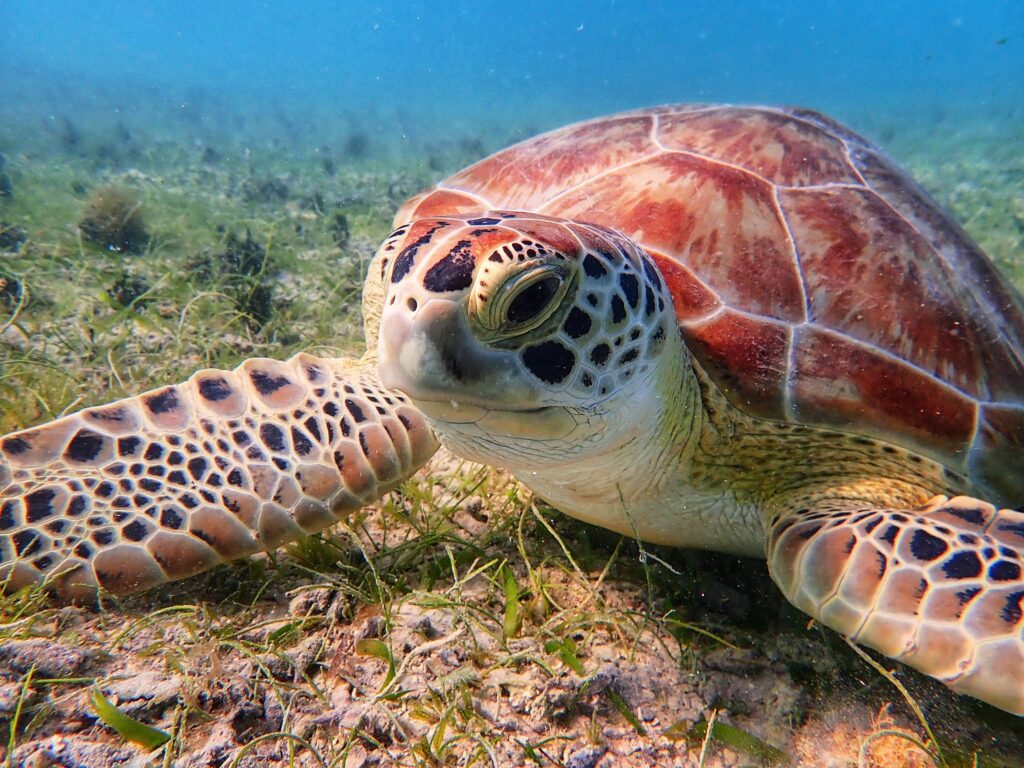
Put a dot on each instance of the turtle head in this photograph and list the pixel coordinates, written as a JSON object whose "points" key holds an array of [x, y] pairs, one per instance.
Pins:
{"points": [[514, 328]]}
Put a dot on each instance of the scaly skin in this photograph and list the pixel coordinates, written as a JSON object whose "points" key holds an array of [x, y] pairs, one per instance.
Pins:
{"points": [[172, 482]]}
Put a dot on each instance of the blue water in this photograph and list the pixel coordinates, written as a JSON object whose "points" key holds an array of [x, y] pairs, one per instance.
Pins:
{"points": [[539, 62]]}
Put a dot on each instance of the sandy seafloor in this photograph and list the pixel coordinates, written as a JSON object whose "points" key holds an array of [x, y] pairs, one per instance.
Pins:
{"points": [[613, 657]]}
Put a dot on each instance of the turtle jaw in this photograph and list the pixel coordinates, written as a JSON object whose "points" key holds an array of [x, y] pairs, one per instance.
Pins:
{"points": [[431, 356]]}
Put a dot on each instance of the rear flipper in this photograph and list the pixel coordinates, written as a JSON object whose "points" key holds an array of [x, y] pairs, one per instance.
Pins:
{"points": [[940, 588], [172, 482]]}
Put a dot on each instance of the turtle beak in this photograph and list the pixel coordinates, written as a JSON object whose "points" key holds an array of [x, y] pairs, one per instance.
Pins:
{"points": [[431, 355]]}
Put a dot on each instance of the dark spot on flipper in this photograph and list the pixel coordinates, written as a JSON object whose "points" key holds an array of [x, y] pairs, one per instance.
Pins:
{"points": [[76, 507], [313, 372], [197, 467], [267, 384], [1003, 570], [872, 524], [203, 536], [273, 438], [1014, 528], [1011, 612], [214, 388], [889, 536], [127, 446], [135, 531], [27, 543], [365, 446], [313, 427], [300, 442], [103, 537], [599, 354], [39, 505], [550, 361], [926, 547], [7, 520], [15, 446], [85, 446], [962, 565], [454, 272], [883, 563], [108, 414], [355, 411], [967, 595], [972, 516], [807, 533], [164, 401]]}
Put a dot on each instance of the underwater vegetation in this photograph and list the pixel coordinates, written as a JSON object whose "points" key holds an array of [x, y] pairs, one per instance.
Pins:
{"points": [[112, 219], [129, 290], [266, 190], [6, 187], [11, 237], [243, 271]]}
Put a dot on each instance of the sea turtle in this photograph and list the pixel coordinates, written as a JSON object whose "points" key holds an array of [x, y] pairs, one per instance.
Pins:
{"points": [[741, 329]]}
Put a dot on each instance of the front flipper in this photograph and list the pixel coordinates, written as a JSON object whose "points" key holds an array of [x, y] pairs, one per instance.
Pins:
{"points": [[174, 481], [940, 588]]}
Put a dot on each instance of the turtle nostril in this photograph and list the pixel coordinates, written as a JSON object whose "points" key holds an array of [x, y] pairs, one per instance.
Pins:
{"points": [[412, 305]]}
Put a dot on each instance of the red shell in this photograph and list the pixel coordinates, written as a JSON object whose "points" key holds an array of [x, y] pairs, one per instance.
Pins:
{"points": [[813, 279]]}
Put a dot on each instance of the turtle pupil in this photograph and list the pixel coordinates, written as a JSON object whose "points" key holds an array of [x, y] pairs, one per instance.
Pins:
{"points": [[532, 300]]}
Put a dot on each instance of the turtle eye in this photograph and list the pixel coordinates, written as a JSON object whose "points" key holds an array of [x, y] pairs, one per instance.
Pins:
{"points": [[528, 301], [533, 300]]}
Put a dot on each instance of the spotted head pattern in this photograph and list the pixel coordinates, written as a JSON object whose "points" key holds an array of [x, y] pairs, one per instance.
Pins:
{"points": [[514, 306]]}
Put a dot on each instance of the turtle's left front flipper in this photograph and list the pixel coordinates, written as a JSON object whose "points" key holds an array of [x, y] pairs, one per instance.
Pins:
{"points": [[940, 588]]}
